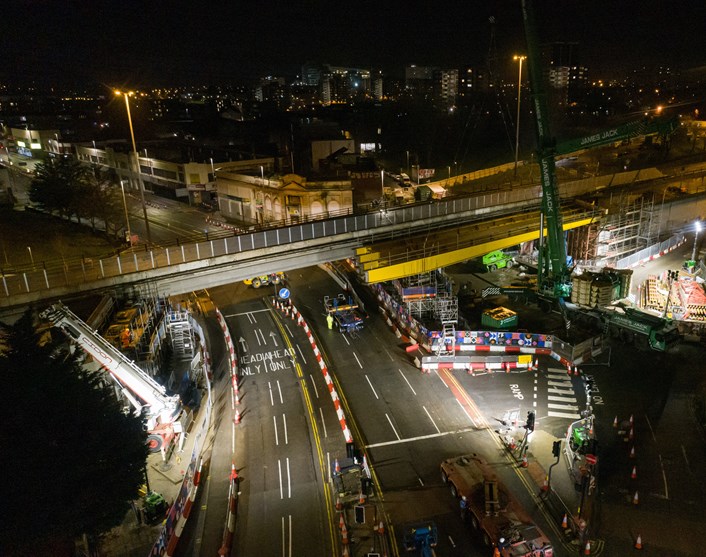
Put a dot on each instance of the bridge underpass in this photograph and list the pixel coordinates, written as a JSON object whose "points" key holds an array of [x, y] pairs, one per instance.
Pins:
{"points": [[385, 261]]}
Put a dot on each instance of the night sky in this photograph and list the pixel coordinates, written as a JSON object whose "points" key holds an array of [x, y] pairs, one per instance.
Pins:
{"points": [[158, 42]]}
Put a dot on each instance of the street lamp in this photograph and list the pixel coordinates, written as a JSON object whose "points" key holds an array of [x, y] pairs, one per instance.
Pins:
{"points": [[127, 218], [697, 225], [517, 124], [127, 95]]}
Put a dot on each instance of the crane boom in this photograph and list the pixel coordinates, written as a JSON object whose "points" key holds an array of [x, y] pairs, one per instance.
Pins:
{"points": [[558, 279], [161, 407]]}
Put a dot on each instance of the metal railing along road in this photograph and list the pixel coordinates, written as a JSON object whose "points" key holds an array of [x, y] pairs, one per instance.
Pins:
{"points": [[79, 273]]}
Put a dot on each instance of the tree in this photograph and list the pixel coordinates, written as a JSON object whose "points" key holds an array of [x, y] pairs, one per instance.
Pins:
{"points": [[57, 185], [73, 459]]}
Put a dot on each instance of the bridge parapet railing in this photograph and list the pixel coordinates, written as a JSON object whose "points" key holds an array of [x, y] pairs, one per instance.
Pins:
{"points": [[74, 272]]}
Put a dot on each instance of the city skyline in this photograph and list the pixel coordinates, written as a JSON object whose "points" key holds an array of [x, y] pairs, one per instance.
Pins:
{"points": [[142, 44]]}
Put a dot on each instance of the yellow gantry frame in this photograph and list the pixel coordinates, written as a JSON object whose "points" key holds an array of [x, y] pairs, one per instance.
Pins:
{"points": [[376, 270]]}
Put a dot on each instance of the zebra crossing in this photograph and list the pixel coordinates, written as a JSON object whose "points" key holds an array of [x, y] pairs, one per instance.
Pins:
{"points": [[561, 398]]}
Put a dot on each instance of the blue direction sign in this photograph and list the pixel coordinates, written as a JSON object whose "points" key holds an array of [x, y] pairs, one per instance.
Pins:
{"points": [[284, 293]]}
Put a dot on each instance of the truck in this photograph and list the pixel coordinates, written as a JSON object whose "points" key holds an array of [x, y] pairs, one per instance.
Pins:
{"points": [[265, 280], [421, 538], [645, 330], [497, 259], [149, 399], [493, 512]]}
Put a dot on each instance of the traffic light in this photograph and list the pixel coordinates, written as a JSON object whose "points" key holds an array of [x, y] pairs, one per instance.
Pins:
{"points": [[530, 421], [556, 448]]}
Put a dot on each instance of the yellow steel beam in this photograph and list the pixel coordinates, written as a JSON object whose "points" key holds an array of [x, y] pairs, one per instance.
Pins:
{"points": [[426, 264]]}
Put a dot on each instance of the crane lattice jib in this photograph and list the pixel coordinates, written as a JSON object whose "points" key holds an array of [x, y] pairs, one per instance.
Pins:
{"points": [[546, 152], [619, 133]]}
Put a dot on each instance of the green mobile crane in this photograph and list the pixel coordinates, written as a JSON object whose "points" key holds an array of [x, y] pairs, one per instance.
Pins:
{"points": [[554, 275]]}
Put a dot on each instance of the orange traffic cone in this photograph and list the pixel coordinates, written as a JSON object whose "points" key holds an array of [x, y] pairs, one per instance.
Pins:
{"points": [[237, 416], [568, 369], [632, 452], [339, 506], [633, 476], [587, 551], [524, 464], [381, 528], [576, 371], [631, 419], [565, 522], [631, 435], [545, 485], [361, 498], [638, 543], [345, 551], [342, 522], [496, 552], [635, 499], [615, 422], [237, 398], [337, 467], [344, 535]]}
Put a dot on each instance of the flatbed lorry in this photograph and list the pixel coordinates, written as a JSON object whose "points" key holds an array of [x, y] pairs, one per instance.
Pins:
{"points": [[492, 510]]}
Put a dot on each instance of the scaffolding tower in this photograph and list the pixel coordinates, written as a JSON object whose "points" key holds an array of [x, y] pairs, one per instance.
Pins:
{"points": [[181, 334], [631, 227]]}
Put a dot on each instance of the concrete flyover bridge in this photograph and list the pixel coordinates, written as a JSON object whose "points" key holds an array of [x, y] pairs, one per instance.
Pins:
{"points": [[173, 269]]}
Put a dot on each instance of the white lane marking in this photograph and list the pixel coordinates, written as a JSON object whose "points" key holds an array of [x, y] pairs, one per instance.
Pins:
{"points": [[421, 437], [279, 388], [313, 384], [272, 398], [323, 423], [346, 339], [357, 360], [259, 336], [281, 487], [393, 427], [248, 313], [289, 481], [551, 414], [652, 431], [300, 353], [407, 381], [284, 540], [436, 371], [371, 387], [286, 434], [432, 419], [290, 332], [683, 451], [561, 391], [563, 406], [664, 477], [552, 397], [390, 355], [466, 413], [274, 421], [560, 384], [290, 535]]}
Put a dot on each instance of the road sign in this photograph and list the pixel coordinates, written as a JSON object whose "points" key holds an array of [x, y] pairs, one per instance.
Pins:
{"points": [[284, 293], [591, 459]]}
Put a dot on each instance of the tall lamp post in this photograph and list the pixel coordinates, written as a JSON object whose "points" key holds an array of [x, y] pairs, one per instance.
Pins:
{"points": [[127, 95], [696, 239], [520, 59], [127, 218]]}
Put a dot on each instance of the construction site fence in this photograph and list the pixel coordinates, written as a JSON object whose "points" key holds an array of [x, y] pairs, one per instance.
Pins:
{"points": [[651, 252]]}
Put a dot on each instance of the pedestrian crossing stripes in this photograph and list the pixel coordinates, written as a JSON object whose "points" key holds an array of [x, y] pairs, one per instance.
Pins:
{"points": [[561, 398]]}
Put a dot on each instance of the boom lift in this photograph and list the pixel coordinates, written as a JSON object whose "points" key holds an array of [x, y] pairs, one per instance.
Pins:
{"points": [[149, 398]]}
